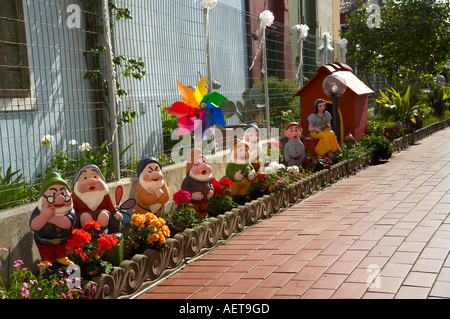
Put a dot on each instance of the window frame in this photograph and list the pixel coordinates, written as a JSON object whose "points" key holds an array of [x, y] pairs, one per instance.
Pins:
{"points": [[20, 99]]}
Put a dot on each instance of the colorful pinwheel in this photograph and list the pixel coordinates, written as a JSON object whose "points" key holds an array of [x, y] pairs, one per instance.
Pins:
{"points": [[198, 108]]}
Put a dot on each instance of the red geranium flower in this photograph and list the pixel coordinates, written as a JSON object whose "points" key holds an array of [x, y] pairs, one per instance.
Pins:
{"points": [[226, 182], [79, 237], [217, 186], [181, 197], [92, 224], [106, 242]]}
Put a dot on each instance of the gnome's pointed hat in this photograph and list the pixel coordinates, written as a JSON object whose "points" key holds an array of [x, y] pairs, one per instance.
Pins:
{"points": [[144, 162], [52, 178], [84, 168]]}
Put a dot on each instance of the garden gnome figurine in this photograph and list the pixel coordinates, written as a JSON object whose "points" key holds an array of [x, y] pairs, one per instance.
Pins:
{"points": [[251, 137], [53, 220], [294, 150], [240, 171], [92, 201], [198, 182], [152, 192]]}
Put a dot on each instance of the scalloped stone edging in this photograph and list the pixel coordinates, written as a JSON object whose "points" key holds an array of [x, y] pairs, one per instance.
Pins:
{"points": [[134, 276]]}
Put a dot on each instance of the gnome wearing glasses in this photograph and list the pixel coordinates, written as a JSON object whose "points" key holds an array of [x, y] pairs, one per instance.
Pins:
{"points": [[53, 220], [92, 201]]}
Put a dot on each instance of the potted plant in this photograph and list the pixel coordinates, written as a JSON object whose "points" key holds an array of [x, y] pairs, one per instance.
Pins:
{"points": [[221, 201], [144, 231], [86, 252], [184, 216], [379, 145]]}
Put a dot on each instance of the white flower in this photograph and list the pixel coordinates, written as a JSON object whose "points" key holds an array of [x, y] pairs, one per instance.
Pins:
{"points": [[47, 140], [73, 143], [273, 168], [293, 169], [85, 147], [269, 170]]}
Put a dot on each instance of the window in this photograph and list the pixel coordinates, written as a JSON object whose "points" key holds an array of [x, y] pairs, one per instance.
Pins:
{"points": [[14, 71]]}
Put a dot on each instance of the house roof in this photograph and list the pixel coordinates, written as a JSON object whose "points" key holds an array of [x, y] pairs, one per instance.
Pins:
{"points": [[342, 70]]}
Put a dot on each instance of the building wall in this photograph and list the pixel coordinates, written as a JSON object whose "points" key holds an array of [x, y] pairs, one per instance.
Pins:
{"points": [[167, 35], [61, 101], [278, 39]]}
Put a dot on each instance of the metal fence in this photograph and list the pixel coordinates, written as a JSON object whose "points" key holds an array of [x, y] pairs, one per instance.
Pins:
{"points": [[53, 102]]}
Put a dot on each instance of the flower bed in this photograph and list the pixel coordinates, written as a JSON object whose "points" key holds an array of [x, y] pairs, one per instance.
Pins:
{"points": [[165, 255], [134, 276]]}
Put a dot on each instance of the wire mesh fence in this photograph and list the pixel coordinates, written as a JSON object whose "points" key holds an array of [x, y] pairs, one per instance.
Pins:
{"points": [[53, 97]]}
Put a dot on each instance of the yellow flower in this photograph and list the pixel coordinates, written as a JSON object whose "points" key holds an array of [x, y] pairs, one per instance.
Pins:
{"points": [[138, 220], [155, 237], [166, 231], [149, 217], [155, 223]]}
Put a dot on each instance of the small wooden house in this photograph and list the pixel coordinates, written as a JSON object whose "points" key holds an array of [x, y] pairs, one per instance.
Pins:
{"points": [[352, 104]]}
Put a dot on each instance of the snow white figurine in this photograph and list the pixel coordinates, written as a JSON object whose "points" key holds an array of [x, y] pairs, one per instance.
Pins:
{"points": [[319, 127]]}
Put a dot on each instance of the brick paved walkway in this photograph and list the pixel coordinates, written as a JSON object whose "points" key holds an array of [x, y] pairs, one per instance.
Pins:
{"points": [[388, 226]]}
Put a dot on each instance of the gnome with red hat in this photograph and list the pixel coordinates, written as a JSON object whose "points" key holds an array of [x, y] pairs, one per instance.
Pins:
{"points": [[152, 192], [53, 220], [294, 150], [198, 182], [92, 201]]}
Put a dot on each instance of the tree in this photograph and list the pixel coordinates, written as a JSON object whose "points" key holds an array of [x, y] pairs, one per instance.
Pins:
{"points": [[412, 40]]}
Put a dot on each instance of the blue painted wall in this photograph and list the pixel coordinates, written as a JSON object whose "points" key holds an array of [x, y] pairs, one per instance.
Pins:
{"points": [[167, 35]]}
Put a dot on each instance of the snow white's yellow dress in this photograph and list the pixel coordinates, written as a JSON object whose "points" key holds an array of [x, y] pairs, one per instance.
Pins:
{"points": [[327, 139]]}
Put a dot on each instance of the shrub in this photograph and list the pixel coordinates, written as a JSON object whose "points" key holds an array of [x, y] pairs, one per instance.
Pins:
{"points": [[221, 201], [395, 106], [15, 190], [438, 99], [380, 145]]}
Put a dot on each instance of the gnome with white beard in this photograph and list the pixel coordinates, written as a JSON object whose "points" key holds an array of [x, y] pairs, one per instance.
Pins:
{"points": [[152, 192], [53, 220], [92, 201], [251, 137], [198, 182]]}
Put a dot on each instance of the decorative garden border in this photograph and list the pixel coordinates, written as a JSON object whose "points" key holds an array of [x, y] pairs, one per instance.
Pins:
{"points": [[134, 276]]}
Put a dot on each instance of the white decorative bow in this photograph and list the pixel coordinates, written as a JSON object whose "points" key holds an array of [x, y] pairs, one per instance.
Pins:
{"points": [[302, 31], [208, 4], [327, 41], [266, 19], [343, 44], [302, 34]]}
